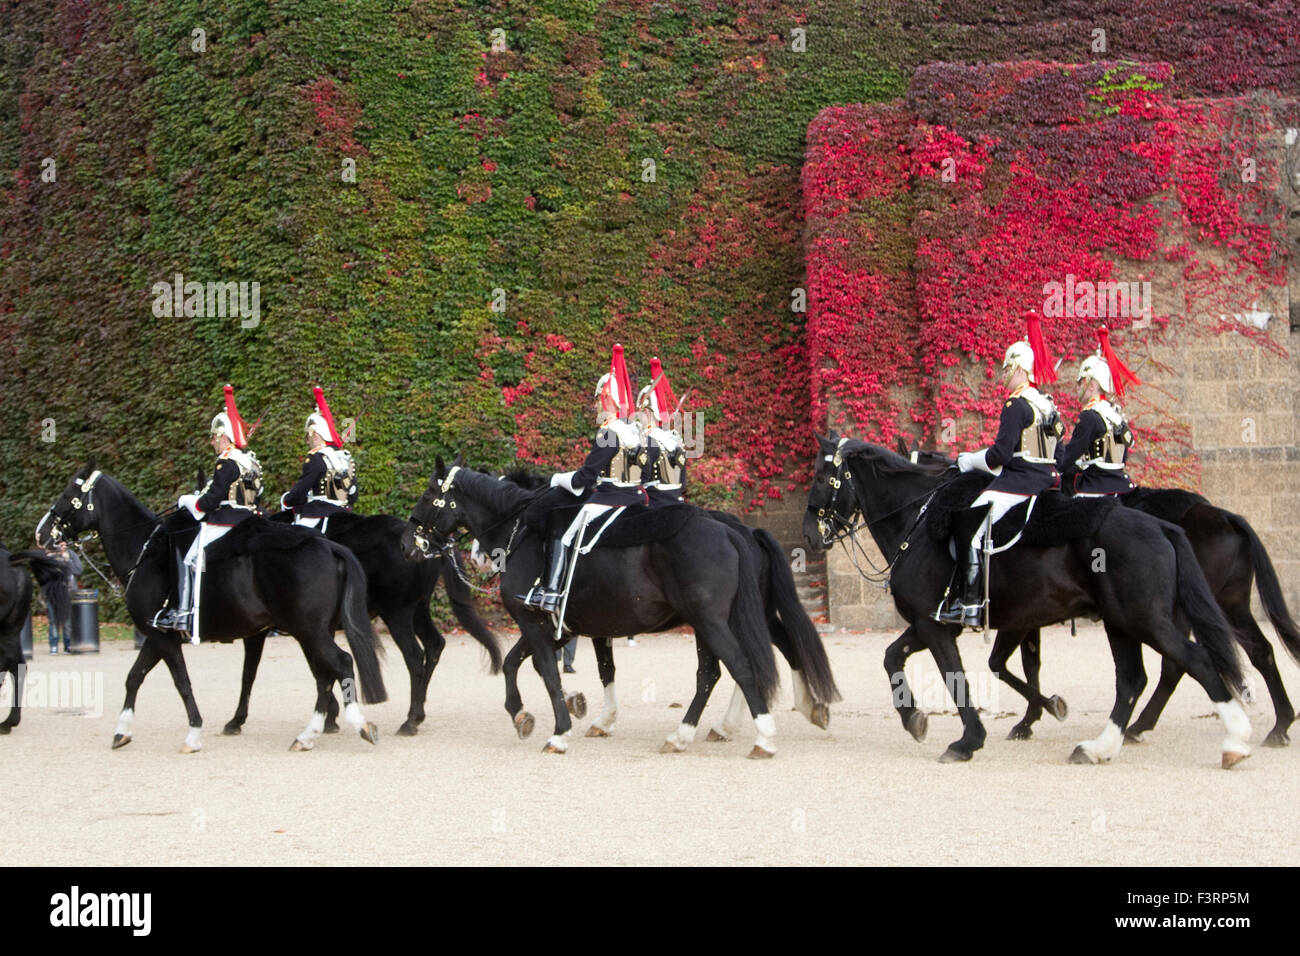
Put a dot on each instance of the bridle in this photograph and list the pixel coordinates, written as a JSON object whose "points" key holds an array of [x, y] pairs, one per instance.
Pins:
{"points": [[447, 545], [849, 527]]}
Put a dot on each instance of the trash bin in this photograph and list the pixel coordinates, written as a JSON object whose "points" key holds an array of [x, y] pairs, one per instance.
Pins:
{"points": [[85, 621], [26, 637]]}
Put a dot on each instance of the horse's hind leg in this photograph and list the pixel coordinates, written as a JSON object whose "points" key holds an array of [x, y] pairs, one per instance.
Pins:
{"points": [[706, 676], [603, 725], [15, 717], [253, 647], [1196, 661], [896, 655], [150, 654], [434, 644], [1170, 675], [346, 675], [514, 658], [718, 639], [1260, 653], [175, 661], [1130, 680], [1031, 660]]}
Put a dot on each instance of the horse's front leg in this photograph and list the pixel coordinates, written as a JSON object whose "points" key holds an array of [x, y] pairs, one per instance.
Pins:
{"points": [[914, 719], [942, 643], [18, 671], [514, 659], [150, 654], [543, 651]]}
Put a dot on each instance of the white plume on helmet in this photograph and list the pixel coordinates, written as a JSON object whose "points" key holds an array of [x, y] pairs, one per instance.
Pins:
{"points": [[316, 425], [1096, 368], [1019, 355]]}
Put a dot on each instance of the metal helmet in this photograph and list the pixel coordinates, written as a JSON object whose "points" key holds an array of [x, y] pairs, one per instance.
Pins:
{"points": [[1019, 355], [316, 425], [221, 426], [1096, 368]]}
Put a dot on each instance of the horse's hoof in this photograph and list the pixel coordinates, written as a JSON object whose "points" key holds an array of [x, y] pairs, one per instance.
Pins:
{"points": [[1135, 736], [298, 746], [1057, 708], [523, 724], [1231, 759], [820, 716], [5, 728], [370, 733], [577, 704], [550, 748], [1080, 756], [758, 753], [331, 727], [231, 729], [918, 725], [953, 755], [1020, 733], [187, 749], [594, 731], [120, 741], [715, 737], [668, 747], [1277, 738], [408, 729]]}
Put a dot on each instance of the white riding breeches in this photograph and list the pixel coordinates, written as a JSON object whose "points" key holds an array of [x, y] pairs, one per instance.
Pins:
{"points": [[309, 522], [207, 534], [586, 515], [1001, 502]]}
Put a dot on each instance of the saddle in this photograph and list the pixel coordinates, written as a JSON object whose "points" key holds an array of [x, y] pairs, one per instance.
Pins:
{"points": [[1055, 517], [636, 525], [256, 534]]}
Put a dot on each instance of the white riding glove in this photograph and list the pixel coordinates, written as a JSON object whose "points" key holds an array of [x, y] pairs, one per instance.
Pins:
{"points": [[564, 479], [191, 504], [976, 461]]}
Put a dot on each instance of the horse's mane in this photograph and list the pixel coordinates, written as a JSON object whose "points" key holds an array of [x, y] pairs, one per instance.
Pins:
{"points": [[887, 462], [525, 477], [496, 494]]}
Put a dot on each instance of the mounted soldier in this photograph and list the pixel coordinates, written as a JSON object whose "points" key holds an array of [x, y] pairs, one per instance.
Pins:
{"points": [[665, 469], [1099, 445], [1021, 460], [231, 496], [612, 473], [328, 483]]}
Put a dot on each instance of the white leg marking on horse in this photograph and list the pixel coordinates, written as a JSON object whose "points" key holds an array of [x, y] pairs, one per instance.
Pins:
{"points": [[124, 722], [1107, 744], [609, 710], [352, 714], [803, 701], [732, 720], [194, 739], [315, 727], [559, 741], [766, 727], [1237, 726], [682, 737]]}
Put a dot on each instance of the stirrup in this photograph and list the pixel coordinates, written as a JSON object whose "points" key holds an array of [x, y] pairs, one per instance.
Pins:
{"points": [[170, 619], [542, 599]]}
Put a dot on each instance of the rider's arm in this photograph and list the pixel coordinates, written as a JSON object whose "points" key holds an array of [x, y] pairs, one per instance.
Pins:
{"points": [[603, 450], [313, 470], [1016, 417], [225, 475], [1086, 429]]}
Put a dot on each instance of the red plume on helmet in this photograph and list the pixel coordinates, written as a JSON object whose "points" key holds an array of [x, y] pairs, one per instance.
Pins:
{"points": [[1044, 364], [615, 389], [323, 407], [1118, 370], [665, 402], [237, 425]]}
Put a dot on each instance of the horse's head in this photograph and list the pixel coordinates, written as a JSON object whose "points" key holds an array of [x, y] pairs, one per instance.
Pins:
{"points": [[73, 514], [435, 517], [830, 502]]}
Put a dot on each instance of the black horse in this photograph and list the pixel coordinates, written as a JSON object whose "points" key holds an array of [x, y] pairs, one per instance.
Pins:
{"points": [[15, 604], [305, 585], [793, 634], [1153, 581], [398, 592], [1232, 558], [702, 576]]}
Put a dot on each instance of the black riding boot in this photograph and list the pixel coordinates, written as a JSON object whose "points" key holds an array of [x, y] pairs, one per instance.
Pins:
{"points": [[548, 598], [177, 617], [968, 579], [972, 595]]}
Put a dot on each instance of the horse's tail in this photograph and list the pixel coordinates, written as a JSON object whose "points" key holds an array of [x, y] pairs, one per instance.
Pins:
{"points": [[748, 621], [462, 605], [356, 625], [51, 576], [806, 648], [1270, 591], [1197, 602]]}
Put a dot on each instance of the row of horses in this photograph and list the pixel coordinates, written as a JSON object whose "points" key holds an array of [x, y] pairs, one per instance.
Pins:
{"points": [[731, 584]]}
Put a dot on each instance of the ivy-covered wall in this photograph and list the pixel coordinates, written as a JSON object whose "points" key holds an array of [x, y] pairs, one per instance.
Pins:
{"points": [[451, 213]]}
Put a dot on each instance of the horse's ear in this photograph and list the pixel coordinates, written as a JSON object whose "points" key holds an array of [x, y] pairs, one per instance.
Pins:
{"points": [[90, 464], [916, 444], [200, 479], [439, 467], [460, 461], [901, 445]]}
